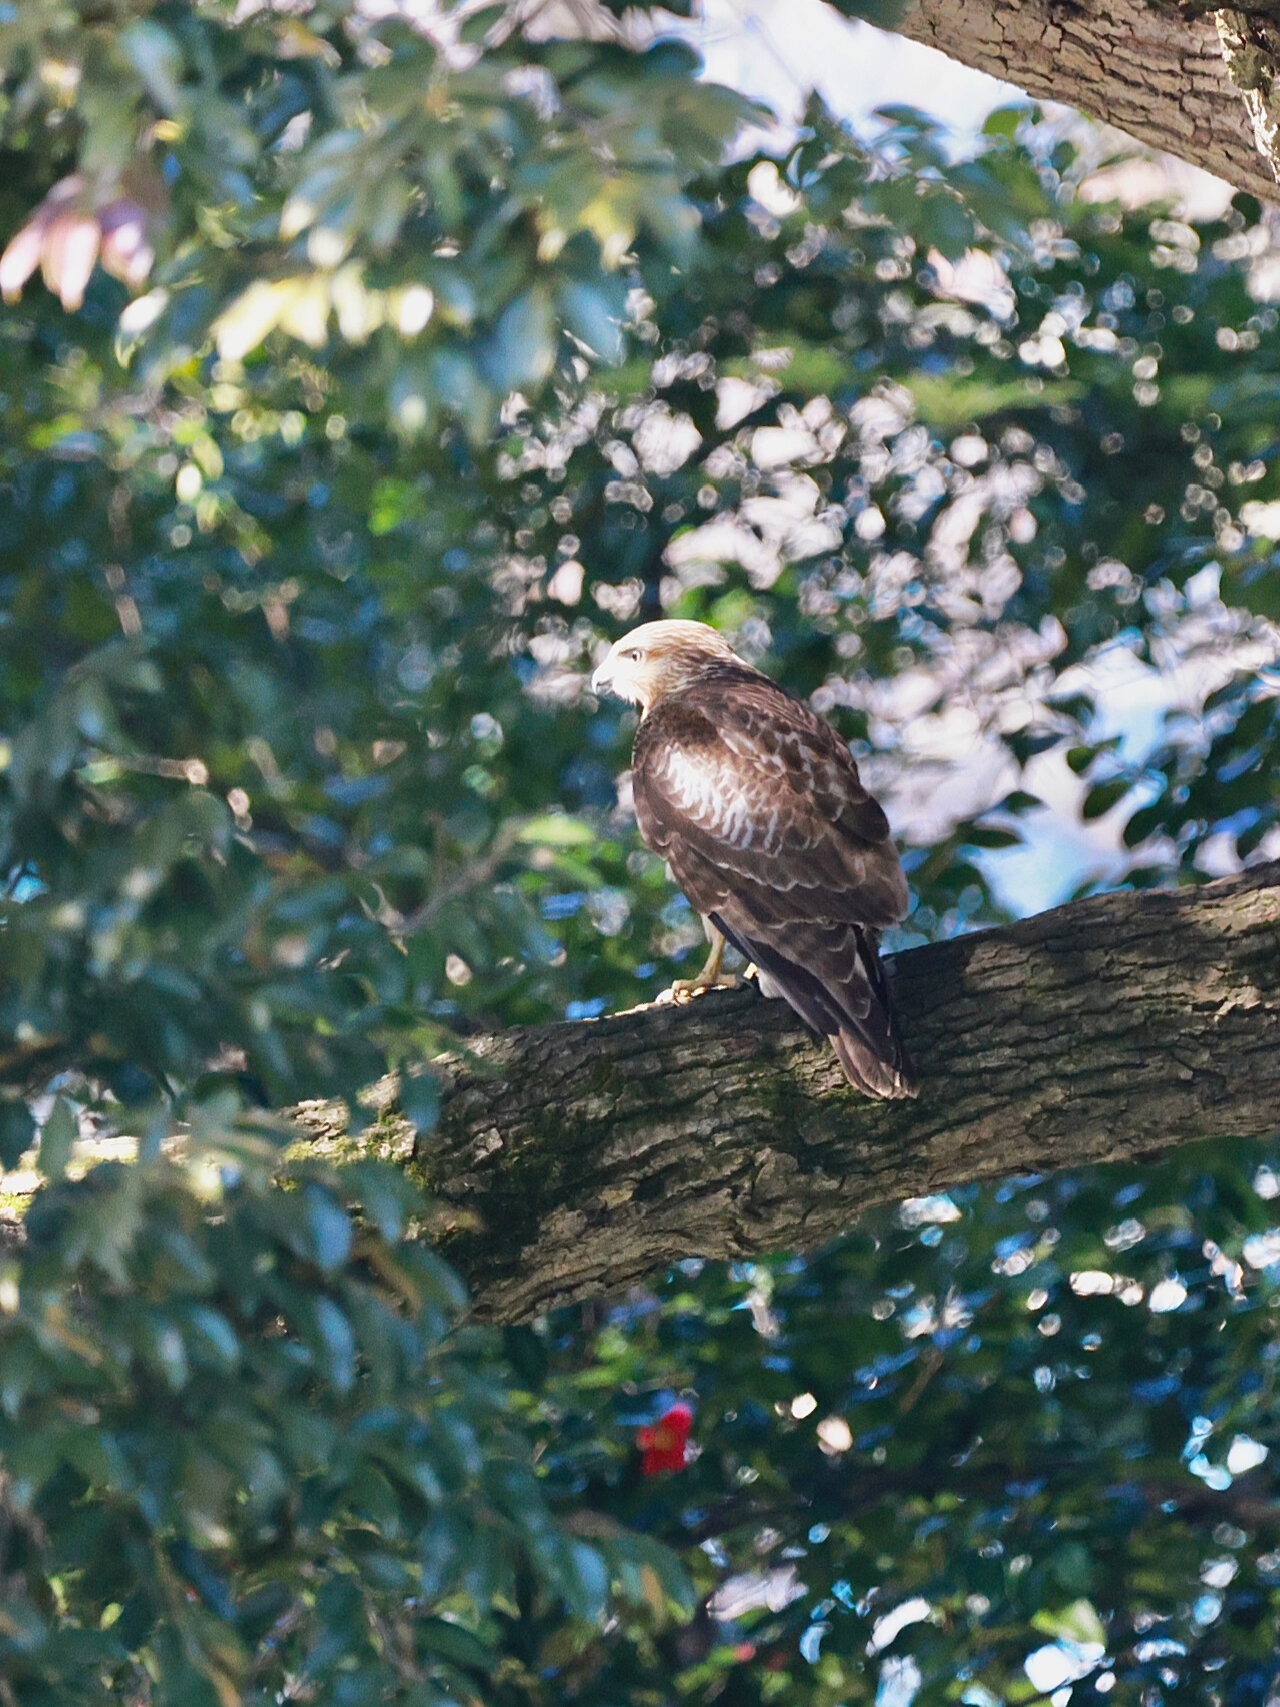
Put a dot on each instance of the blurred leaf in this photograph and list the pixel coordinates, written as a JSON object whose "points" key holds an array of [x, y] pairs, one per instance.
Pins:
{"points": [[557, 830], [523, 345], [330, 1228], [17, 1131], [1103, 796], [57, 1136]]}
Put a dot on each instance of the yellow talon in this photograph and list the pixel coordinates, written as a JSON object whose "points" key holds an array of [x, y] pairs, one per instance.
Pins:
{"points": [[710, 978]]}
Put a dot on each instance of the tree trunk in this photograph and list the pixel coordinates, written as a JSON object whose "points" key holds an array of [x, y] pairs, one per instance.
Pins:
{"points": [[577, 1159], [1150, 70]]}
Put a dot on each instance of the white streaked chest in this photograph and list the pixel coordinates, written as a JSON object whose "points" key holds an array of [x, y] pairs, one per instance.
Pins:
{"points": [[736, 806]]}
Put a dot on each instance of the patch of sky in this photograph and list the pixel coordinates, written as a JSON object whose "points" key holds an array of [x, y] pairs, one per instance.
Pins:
{"points": [[776, 51]]}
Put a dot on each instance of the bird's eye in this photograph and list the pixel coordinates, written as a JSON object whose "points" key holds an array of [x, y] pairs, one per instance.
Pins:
{"points": [[634, 653]]}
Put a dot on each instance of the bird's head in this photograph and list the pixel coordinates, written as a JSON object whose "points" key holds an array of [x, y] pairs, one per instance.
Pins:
{"points": [[658, 659]]}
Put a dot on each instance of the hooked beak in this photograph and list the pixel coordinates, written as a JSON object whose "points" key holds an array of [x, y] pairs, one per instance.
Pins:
{"points": [[602, 677]]}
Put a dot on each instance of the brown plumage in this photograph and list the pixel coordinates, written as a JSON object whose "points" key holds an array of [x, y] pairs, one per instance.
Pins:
{"points": [[756, 805]]}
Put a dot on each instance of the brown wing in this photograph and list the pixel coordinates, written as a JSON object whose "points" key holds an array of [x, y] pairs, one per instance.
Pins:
{"points": [[758, 808]]}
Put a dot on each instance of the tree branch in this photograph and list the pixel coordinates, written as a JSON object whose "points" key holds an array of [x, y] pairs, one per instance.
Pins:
{"points": [[1248, 50], [583, 1157], [1153, 70]]}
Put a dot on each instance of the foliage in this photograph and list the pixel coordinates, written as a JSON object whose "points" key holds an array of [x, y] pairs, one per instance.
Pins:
{"points": [[448, 353], [996, 1443], [249, 1449]]}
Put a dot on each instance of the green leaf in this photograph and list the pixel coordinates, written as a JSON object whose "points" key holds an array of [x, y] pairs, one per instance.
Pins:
{"points": [[420, 1100], [1080, 758], [1078, 1622], [460, 1646], [587, 1585], [330, 1226], [595, 313], [17, 1131], [1005, 121], [339, 1344], [557, 830], [884, 14], [522, 347], [990, 836], [386, 1196], [157, 58], [57, 1136], [1103, 796], [209, 1329]]}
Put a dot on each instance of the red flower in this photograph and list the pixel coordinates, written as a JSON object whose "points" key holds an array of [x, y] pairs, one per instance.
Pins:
{"points": [[666, 1444]]}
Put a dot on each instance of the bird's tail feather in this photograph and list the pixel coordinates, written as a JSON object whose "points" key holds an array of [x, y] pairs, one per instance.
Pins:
{"points": [[868, 1071], [858, 1020], [872, 1052]]}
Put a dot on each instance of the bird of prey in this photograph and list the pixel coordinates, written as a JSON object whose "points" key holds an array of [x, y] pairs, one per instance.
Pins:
{"points": [[756, 806]]}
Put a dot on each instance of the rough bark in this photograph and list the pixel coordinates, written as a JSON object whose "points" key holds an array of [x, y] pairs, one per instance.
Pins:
{"points": [[1249, 52], [1149, 69], [583, 1157]]}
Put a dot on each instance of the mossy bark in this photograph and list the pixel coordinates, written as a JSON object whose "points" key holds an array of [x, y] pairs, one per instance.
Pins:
{"points": [[571, 1161]]}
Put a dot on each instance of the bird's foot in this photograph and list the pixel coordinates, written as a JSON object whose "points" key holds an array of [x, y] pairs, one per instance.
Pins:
{"points": [[684, 990], [712, 977]]}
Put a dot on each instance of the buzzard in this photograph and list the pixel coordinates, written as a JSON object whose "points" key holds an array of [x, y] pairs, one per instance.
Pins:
{"points": [[755, 804]]}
